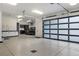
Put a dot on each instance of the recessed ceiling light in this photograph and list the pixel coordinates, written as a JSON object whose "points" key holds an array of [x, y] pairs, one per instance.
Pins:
{"points": [[13, 4], [73, 3], [19, 16], [37, 11]]}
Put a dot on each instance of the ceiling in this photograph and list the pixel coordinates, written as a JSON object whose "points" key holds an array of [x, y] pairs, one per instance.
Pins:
{"points": [[46, 8]]}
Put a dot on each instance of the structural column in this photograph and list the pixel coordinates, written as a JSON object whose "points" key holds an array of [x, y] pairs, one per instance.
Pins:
{"points": [[1, 28], [38, 25]]}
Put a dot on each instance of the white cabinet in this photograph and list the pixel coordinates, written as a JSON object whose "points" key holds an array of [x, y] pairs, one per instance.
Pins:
{"points": [[8, 34]]}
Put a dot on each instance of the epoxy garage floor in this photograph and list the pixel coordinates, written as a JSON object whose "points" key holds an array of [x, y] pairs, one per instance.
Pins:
{"points": [[24, 46]]}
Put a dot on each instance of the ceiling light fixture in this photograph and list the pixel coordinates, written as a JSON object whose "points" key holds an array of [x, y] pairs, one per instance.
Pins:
{"points": [[73, 3], [19, 16], [13, 4], [37, 11]]}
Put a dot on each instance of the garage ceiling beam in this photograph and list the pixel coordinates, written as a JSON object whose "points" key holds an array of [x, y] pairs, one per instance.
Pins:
{"points": [[63, 7]]}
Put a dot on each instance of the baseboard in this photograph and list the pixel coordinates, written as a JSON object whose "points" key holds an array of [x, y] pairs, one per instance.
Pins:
{"points": [[10, 36], [1, 41]]}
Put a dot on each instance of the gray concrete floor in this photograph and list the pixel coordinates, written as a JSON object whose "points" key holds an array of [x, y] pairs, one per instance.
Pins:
{"points": [[22, 46]]}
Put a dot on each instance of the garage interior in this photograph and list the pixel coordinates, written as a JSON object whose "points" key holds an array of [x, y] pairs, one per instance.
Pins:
{"points": [[39, 29]]}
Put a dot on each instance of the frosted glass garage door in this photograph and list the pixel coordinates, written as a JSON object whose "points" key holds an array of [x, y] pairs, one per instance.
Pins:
{"points": [[53, 26], [46, 22], [74, 32], [53, 31], [63, 31], [53, 36], [53, 21], [64, 20], [46, 26], [46, 35], [73, 38], [75, 25], [63, 37], [63, 26], [46, 31], [74, 19]]}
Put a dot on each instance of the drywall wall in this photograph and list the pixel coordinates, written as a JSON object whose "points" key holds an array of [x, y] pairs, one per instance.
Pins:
{"points": [[61, 15], [38, 25], [1, 26], [9, 22], [9, 25]]}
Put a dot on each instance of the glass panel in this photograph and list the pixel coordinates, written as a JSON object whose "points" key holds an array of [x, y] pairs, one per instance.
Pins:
{"points": [[53, 26], [63, 31], [74, 19], [64, 20], [46, 31], [74, 32], [63, 37], [46, 22], [74, 25], [53, 31], [54, 36], [46, 26], [72, 38], [53, 21], [63, 26], [46, 35]]}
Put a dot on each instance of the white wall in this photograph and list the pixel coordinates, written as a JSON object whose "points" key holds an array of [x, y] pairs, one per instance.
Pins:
{"points": [[60, 15], [38, 25], [9, 23], [1, 27]]}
